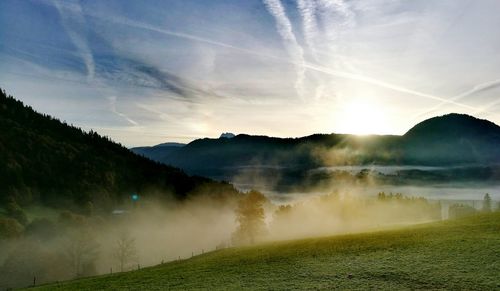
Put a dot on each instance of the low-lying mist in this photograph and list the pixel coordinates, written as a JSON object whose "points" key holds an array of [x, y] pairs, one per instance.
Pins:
{"points": [[133, 236], [339, 213], [149, 232]]}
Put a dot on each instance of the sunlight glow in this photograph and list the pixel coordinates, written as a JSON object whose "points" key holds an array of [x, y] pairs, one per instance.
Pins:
{"points": [[362, 117]]}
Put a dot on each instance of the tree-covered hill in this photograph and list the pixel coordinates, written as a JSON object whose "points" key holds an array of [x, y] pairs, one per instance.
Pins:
{"points": [[452, 139], [45, 160], [452, 148]]}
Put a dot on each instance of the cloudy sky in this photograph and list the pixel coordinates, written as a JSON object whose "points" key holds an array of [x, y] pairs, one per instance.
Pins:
{"points": [[146, 72]]}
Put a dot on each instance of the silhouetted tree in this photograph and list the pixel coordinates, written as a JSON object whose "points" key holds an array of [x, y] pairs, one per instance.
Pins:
{"points": [[487, 203], [250, 217], [125, 251], [81, 252]]}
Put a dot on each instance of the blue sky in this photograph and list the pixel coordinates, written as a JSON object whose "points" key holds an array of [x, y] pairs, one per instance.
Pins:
{"points": [[146, 72]]}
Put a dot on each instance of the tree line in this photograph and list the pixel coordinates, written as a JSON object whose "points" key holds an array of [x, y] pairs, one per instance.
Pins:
{"points": [[47, 161]]}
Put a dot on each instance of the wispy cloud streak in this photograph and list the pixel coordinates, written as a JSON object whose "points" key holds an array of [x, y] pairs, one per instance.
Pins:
{"points": [[307, 10], [285, 30], [71, 12], [302, 63], [112, 105], [297, 62], [489, 85]]}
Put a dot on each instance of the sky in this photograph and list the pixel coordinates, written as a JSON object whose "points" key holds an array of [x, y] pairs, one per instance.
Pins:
{"points": [[148, 72]]}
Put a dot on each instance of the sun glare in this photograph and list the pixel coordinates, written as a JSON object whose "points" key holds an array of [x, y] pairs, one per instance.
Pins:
{"points": [[362, 117]]}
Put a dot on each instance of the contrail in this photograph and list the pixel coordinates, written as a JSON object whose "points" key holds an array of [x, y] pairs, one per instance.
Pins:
{"points": [[305, 64], [338, 9], [307, 9], [383, 84], [476, 89], [336, 73], [79, 40], [112, 104], [335, 15], [76, 36], [284, 27]]}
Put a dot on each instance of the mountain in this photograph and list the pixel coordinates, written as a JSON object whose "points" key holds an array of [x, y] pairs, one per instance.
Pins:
{"points": [[449, 140], [158, 152], [247, 150], [44, 160], [453, 139], [227, 135]]}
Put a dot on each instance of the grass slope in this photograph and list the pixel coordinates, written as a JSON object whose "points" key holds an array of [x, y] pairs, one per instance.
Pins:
{"points": [[460, 254]]}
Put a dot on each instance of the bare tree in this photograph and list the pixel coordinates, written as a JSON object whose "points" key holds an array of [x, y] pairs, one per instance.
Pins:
{"points": [[125, 251], [81, 251]]}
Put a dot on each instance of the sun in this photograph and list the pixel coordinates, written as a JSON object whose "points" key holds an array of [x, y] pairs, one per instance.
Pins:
{"points": [[362, 117]]}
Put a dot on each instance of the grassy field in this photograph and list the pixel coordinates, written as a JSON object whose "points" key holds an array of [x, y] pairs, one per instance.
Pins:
{"points": [[460, 254]]}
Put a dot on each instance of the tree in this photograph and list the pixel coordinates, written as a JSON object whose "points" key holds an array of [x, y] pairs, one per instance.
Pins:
{"points": [[81, 252], [487, 203], [125, 251], [250, 217]]}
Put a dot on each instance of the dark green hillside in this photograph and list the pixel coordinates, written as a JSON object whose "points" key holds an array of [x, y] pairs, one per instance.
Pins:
{"points": [[45, 160], [451, 255]]}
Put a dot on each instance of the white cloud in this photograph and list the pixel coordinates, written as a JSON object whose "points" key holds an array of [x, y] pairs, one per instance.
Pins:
{"points": [[182, 70]]}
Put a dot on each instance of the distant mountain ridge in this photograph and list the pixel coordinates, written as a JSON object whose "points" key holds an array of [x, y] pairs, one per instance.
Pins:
{"points": [[452, 139]]}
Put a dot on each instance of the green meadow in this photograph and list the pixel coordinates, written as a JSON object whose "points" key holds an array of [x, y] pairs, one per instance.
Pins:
{"points": [[454, 254]]}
